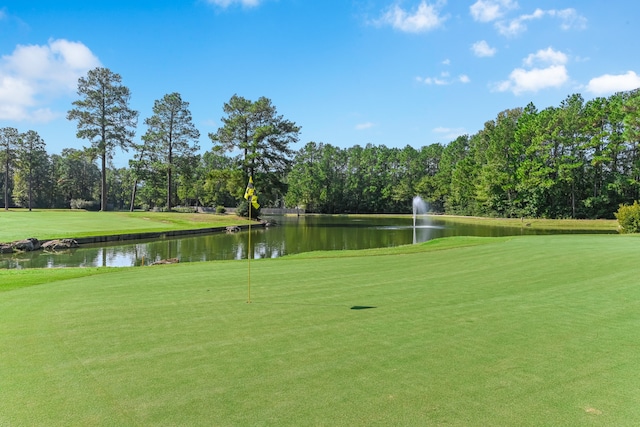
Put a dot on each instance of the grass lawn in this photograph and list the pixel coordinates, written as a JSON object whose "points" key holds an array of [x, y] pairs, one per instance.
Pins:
{"points": [[536, 223], [527, 331], [17, 224]]}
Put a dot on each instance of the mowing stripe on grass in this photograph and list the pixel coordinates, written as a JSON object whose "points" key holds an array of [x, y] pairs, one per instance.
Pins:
{"points": [[539, 330]]}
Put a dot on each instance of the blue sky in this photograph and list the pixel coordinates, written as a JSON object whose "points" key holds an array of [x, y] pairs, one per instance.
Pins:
{"points": [[394, 73]]}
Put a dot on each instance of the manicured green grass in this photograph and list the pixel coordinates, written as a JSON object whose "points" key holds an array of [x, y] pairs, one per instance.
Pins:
{"points": [[527, 331], [45, 224], [535, 223], [587, 225]]}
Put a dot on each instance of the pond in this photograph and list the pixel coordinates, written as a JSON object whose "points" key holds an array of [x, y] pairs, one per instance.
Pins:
{"points": [[291, 235]]}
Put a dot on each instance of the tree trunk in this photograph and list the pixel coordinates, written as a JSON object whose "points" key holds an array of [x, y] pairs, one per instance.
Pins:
{"points": [[169, 179], [30, 185], [6, 183], [134, 190], [103, 191]]}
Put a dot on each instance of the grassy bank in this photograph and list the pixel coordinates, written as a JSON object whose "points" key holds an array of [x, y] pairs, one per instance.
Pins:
{"points": [[18, 224], [528, 330], [536, 223], [533, 223]]}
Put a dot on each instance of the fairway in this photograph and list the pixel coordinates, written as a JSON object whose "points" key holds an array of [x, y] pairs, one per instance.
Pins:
{"points": [[527, 331], [45, 224]]}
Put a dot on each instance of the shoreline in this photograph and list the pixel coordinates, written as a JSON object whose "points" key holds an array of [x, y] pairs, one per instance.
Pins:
{"points": [[109, 238], [155, 234]]}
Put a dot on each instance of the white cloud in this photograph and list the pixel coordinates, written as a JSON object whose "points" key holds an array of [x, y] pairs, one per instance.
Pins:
{"points": [[425, 18], [34, 75], [570, 19], [546, 56], [482, 49], [364, 126], [227, 3], [517, 25], [443, 79], [490, 10], [439, 81], [551, 72], [609, 84], [521, 80]]}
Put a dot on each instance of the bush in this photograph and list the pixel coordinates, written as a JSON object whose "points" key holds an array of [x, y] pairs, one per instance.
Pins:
{"points": [[243, 210], [629, 218], [89, 205], [220, 209]]}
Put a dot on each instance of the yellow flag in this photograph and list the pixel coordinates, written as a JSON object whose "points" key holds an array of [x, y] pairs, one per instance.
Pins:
{"points": [[249, 191], [254, 201], [249, 194]]}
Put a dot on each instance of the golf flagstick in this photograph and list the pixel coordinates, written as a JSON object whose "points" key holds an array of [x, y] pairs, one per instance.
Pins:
{"points": [[249, 259]]}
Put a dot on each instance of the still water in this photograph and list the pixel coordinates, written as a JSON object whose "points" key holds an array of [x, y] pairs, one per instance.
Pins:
{"points": [[292, 235]]}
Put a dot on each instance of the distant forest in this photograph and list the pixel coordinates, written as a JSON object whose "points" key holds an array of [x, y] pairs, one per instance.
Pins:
{"points": [[577, 160]]}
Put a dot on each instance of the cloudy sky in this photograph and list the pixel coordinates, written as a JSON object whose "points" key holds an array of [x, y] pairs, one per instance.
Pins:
{"points": [[405, 72]]}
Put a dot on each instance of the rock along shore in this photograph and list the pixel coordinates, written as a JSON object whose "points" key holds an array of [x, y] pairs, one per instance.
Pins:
{"points": [[33, 244]]}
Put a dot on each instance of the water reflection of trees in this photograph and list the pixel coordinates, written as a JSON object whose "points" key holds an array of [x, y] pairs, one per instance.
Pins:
{"points": [[294, 235]]}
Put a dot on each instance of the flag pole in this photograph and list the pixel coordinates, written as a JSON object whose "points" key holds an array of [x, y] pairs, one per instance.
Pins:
{"points": [[252, 200], [249, 258]]}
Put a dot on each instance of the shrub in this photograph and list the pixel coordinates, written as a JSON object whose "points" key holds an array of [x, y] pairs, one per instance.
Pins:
{"points": [[243, 210], [629, 218], [220, 209]]}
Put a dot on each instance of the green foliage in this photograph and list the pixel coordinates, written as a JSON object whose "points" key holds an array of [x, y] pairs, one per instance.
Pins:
{"points": [[629, 218], [172, 139], [580, 159], [220, 209], [103, 117], [263, 139], [243, 210], [9, 140]]}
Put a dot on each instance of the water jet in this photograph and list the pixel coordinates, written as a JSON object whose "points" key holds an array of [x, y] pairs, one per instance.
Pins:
{"points": [[419, 214]]}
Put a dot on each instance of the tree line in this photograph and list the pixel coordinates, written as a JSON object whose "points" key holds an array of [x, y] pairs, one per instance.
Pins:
{"points": [[577, 160]]}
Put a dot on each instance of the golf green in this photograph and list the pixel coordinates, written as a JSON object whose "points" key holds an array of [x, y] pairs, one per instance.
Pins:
{"points": [[535, 330]]}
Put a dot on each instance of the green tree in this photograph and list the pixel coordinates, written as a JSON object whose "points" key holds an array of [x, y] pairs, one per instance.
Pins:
{"points": [[104, 118], [223, 180], [400, 185], [171, 134], [32, 162], [452, 154], [188, 188], [499, 156], [75, 176], [263, 139], [118, 180], [140, 168], [630, 157], [306, 178], [428, 183], [9, 141]]}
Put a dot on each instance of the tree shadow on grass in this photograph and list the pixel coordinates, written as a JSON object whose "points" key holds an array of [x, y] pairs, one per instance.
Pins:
{"points": [[362, 307]]}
